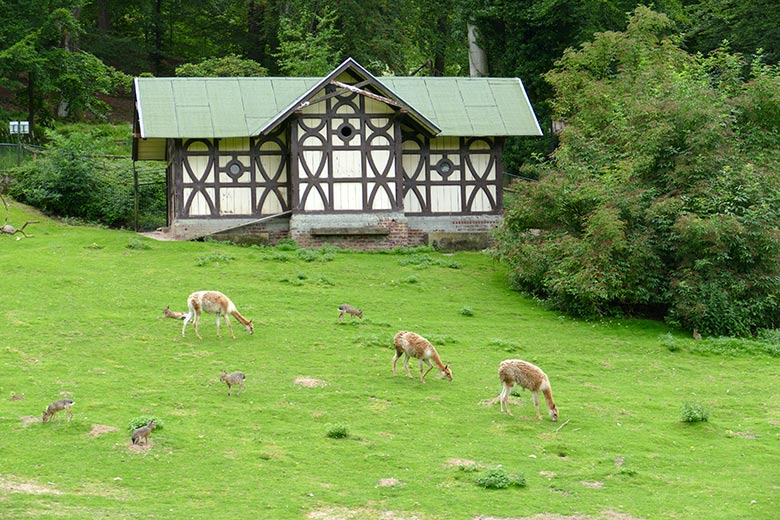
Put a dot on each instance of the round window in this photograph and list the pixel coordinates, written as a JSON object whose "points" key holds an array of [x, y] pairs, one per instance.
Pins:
{"points": [[346, 131], [234, 169], [444, 167]]}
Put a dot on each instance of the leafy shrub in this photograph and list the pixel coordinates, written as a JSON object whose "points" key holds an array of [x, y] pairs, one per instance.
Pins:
{"points": [[466, 311], [692, 412], [337, 431], [286, 244], [498, 479], [661, 199], [307, 255], [138, 244], [143, 420], [73, 180], [212, 258]]}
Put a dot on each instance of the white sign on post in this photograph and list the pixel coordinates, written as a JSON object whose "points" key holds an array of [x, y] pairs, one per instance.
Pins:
{"points": [[19, 127]]}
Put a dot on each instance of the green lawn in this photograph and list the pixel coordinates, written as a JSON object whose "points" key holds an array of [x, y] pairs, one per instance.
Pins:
{"points": [[81, 319]]}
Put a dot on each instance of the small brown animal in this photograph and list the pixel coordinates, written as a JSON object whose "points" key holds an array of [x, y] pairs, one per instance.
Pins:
{"points": [[235, 379], [410, 344], [696, 335], [345, 308], [168, 313], [513, 372], [57, 406], [142, 433], [213, 302]]}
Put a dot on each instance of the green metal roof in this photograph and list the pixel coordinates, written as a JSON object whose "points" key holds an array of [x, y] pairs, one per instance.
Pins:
{"points": [[239, 107]]}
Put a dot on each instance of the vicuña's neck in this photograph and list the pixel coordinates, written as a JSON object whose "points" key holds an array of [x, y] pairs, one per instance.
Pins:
{"points": [[437, 360], [240, 318], [549, 398]]}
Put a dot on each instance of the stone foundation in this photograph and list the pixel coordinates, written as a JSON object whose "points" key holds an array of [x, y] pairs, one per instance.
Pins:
{"points": [[357, 231]]}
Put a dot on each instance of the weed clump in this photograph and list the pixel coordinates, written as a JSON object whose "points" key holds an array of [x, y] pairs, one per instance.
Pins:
{"points": [[337, 431], [466, 311], [143, 420], [693, 412], [138, 244], [499, 479], [212, 258]]}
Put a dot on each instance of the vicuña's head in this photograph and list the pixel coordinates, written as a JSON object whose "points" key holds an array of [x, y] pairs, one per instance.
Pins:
{"points": [[447, 372], [250, 327], [223, 377], [553, 413], [151, 425], [359, 314]]}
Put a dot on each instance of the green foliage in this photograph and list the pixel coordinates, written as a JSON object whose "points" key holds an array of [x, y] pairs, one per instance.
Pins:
{"points": [[213, 258], [143, 420], [499, 479], [694, 412], [659, 200], [138, 244], [223, 66], [72, 178], [466, 311], [337, 431], [309, 44]]}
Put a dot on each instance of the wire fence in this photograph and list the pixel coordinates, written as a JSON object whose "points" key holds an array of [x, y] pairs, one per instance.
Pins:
{"points": [[145, 182]]}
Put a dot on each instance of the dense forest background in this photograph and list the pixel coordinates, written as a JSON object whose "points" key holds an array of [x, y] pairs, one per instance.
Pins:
{"points": [[59, 59], [657, 195]]}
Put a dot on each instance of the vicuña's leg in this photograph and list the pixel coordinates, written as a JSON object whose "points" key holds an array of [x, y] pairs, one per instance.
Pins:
{"points": [[230, 326], [504, 398], [395, 361], [430, 367], [536, 405], [406, 366]]}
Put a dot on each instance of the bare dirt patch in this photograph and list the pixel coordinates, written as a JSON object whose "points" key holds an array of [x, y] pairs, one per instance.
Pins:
{"points": [[17, 397], [12, 484], [140, 448], [457, 463], [604, 515], [389, 482], [310, 382], [592, 485], [27, 420], [362, 513], [100, 429]]}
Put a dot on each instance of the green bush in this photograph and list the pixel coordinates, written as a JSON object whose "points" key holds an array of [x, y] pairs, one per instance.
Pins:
{"points": [[498, 479], [692, 412], [337, 431], [143, 420], [662, 198], [73, 179]]}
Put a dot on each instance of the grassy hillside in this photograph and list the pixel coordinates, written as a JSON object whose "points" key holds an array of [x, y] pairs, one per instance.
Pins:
{"points": [[81, 319]]}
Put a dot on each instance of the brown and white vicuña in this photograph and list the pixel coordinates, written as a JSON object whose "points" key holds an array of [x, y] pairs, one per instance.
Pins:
{"points": [[142, 433], [409, 344], [346, 308], [58, 406], [237, 378], [513, 372], [213, 302]]}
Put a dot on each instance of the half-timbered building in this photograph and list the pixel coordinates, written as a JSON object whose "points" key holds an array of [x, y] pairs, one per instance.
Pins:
{"points": [[349, 159]]}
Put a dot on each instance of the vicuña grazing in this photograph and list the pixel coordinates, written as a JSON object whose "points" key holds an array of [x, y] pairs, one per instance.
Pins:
{"points": [[57, 406], [142, 433], [516, 372], [235, 379], [409, 344], [345, 308], [213, 302]]}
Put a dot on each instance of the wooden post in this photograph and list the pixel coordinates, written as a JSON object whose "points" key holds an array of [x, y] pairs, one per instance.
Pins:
{"points": [[135, 198]]}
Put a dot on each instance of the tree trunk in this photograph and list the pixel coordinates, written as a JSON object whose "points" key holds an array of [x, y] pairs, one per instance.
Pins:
{"points": [[103, 16], [478, 65], [441, 47]]}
